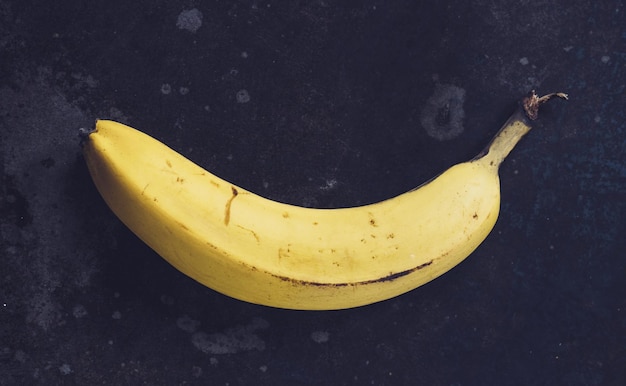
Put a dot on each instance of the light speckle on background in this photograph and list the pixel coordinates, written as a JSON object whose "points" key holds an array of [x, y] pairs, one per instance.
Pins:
{"points": [[187, 324], [524, 61], [65, 369], [320, 336], [168, 300], [329, 184], [443, 114], [117, 114], [20, 356], [226, 343], [79, 311], [166, 88], [233, 340], [196, 371], [190, 20], [243, 96]]}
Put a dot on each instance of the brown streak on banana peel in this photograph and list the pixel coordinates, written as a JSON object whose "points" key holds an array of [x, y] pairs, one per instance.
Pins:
{"points": [[256, 236], [390, 277], [228, 204]]}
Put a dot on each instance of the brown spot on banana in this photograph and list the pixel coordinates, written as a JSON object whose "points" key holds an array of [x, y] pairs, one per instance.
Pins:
{"points": [[372, 219], [284, 252]]}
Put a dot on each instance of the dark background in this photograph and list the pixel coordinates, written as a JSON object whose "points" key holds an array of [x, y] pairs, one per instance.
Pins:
{"points": [[330, 116]]}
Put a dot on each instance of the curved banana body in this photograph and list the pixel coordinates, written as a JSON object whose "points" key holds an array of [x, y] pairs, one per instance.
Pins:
{"points": [[265, 252]]}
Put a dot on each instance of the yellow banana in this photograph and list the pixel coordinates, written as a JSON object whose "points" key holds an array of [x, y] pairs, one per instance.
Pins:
{"points": [[265, 252]]}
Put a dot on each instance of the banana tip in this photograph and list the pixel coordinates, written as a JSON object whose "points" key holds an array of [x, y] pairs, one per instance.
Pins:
{"points": [[83, 134]]}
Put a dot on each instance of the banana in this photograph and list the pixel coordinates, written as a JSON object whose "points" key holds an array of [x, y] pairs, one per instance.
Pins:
{"points": [[280, 255]]}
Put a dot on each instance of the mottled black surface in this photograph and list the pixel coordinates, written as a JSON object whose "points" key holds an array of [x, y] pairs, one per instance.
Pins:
{"points": [[322, 104]]}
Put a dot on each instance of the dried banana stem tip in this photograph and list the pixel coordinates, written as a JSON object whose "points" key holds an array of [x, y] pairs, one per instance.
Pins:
{"points": [[532, 102]]}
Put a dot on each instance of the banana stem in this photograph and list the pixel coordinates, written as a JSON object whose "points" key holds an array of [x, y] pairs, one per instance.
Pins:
{"points": [[514, 129]]}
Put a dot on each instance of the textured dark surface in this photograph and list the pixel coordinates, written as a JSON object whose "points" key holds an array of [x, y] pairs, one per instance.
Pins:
{"points": [[332, 115]]}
